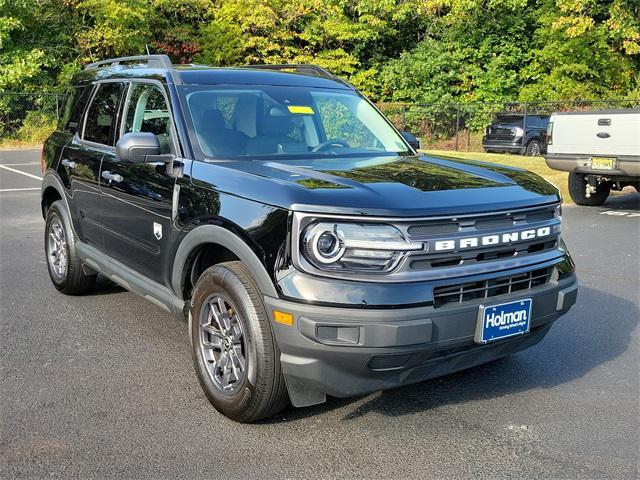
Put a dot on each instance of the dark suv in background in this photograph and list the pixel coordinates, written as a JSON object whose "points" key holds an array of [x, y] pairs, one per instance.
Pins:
{"points": [[511, 133], [309, 247]]}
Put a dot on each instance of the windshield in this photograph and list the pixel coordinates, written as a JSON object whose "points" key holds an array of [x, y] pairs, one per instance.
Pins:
{"points": [[279, 121]]}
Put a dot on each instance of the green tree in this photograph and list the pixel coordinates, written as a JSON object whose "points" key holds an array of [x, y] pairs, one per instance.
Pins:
{"points": [[584, 49]]}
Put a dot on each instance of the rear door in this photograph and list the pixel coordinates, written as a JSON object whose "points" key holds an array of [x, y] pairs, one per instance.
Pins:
{"points": [[137, 198], [82, 157]]}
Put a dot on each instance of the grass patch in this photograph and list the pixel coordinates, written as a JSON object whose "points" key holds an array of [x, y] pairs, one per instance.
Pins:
{"points": [[11, 144], [533, 164]]}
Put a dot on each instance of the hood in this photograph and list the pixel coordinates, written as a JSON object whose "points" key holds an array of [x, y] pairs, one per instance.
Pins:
{"points": [[381, 185]]}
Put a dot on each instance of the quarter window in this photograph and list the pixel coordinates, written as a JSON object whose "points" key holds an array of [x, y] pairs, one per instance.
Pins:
{"points": [[101, 116]]}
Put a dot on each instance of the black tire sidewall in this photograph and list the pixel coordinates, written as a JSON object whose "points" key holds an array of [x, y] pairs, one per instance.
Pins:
{"points": [[221, 280], [577, 186]]}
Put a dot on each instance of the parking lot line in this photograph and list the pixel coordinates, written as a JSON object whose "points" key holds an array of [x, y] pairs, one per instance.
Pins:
{"points": [[23, 173], [18, 189]]}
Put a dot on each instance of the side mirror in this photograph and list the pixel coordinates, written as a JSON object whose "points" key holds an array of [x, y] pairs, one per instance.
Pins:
{"points": [[135, 146], [411, 140]]}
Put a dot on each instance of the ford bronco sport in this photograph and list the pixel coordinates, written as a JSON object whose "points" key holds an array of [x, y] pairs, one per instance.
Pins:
{"points": [[311, 250]]}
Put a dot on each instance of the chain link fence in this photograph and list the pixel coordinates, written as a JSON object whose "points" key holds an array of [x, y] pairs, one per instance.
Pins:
{"points": [[28, 118], [460, 126]]}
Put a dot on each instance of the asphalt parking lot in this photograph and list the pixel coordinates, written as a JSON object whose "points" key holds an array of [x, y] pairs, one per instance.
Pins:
{"points": [[102, 386]]}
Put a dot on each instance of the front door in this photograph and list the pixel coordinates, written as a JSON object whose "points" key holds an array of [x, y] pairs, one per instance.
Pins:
{"points": [[137, 198]]}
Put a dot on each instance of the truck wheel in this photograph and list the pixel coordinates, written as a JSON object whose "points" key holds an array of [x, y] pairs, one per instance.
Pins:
{"points": [[234, 350], [578, 187], [534, 148], [63, 262]]}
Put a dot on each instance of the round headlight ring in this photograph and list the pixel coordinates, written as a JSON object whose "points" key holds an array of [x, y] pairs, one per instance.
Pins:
{"points": [[326, 247]]}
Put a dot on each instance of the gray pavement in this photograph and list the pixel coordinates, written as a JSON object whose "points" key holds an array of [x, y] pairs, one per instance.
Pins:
{"points": [[102, 386]]}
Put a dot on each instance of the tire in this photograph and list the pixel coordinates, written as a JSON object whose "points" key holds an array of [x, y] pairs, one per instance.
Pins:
{"points": [[63, 262], [258, 390], [577, 191], [534, 149]]}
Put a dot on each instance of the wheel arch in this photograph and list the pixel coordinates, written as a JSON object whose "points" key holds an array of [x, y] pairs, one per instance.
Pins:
{"points": [[51, 191], [214, 235]]}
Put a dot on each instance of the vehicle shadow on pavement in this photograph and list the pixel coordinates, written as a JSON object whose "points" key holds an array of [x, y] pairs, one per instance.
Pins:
{"points": [[574, 346], [623, 201], [105, 286]]}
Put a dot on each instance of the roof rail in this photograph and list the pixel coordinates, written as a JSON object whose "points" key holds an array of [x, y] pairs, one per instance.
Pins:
{"points": [[152, 61], [301, 68]]}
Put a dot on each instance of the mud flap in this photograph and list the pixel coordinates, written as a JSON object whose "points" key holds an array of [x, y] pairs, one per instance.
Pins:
{"points": [[301, 395]]}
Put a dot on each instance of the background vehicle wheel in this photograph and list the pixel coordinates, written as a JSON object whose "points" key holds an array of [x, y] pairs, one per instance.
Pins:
{"points": [[534, 149], [63, 262], [577, 190], [234, 350]]}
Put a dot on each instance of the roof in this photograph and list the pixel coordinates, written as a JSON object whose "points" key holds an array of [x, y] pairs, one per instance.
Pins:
{"points": [[250, 76], [159, 67]]}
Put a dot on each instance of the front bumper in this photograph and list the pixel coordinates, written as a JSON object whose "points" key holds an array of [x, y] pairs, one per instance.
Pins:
{"points": [[344, 352]]}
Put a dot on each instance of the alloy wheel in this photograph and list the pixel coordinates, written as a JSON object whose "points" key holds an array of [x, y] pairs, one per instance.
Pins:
{"points": [[57, 249], [222, 344]]}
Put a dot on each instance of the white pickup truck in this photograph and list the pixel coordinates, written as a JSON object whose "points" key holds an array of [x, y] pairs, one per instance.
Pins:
{"points": [[600, 149]]}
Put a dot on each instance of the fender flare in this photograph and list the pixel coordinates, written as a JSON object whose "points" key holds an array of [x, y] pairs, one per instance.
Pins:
{"points": [[216, 234]]}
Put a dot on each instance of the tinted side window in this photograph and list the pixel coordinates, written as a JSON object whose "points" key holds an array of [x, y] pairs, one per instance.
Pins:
{"points": [[102, 113], [76, 100], [147, 111]]}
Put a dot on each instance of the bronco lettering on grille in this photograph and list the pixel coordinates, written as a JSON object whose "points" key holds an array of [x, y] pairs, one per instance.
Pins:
{"points": [[489, 240]]}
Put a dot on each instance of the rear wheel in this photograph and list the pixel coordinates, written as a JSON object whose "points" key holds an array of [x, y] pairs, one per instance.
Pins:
{"points": [[234, 350], [534, 149], [63, 262], [578, 191]]}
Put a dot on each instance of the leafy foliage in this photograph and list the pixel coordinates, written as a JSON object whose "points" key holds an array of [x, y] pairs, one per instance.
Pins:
{"points": [[393, 50]]}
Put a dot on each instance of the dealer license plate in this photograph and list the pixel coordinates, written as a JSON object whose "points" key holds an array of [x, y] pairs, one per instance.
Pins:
{"points": [[603, 163], [504, 320]]}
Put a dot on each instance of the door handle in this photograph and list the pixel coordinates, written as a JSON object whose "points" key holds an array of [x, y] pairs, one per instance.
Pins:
{"points": [[68, 163], [112, 177], [603, 135]]}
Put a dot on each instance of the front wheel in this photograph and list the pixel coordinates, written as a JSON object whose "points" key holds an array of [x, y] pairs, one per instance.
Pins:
{"points": [[235, 354], [578, 191]]}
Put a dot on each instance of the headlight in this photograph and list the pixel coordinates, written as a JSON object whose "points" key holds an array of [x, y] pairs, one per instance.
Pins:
{"points": [[518, 131], [558, 214], [355, 247]]}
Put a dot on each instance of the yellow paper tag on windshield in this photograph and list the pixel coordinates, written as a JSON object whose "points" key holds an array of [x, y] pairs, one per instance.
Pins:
{"points": [[301, 109]]}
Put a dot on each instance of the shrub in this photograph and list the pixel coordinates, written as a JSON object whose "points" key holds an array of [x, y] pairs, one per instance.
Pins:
{"points": [[36, 127]]}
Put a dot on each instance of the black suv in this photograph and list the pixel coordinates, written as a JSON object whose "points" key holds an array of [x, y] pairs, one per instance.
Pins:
{"points": [[310, 249], [514, 133]]}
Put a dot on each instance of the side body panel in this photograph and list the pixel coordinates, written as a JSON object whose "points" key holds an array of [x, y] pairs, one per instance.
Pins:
{"points": [[137, 215]]}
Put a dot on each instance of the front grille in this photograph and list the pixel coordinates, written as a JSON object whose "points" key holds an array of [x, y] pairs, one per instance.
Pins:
{"points": [[478, 226], [493, 287]]}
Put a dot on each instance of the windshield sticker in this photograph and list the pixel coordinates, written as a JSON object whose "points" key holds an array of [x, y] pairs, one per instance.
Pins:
{"points": [[300, 110]]}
